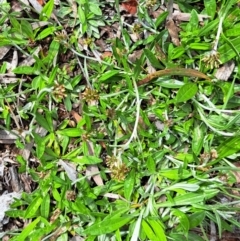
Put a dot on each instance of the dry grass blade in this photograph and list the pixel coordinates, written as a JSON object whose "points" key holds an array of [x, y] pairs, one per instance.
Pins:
{"points": [[173, 32], [174, 71]]}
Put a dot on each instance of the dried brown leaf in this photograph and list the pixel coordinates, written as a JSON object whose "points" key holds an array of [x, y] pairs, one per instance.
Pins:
{"points": [[173, 32], [135, 55], [185, 17], [76, 116], [4, 50], [106, 54], [92, 171], [173, 71], [70, 169], [225, 71], [129, 6]]}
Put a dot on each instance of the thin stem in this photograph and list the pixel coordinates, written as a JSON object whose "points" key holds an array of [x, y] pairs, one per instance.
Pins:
{"points": [[218, 34], [134, 133]]}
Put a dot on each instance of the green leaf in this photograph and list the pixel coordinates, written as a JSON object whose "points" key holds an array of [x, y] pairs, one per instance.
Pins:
{"points": [[126, 38], [22, 162], [94, 8], [84, 27], [228, 147], [48, 115], [72, 154], [193, 22], [81, 15], [161, 18], [226, 6], [178, 187], [56, 148], [52, 53], [24, 70], [176, 52], [90, 160], [108, 74], [16, 25], [191, 237], [79, 206], [196, 218], [200, 46], [129, 184], [182, 200], [186, 92], [137, 227], [53, 74], [12, 41], [38, 83], [118, 235], [108, 225], [45, 206], [175, 174], [27, 29], [71, 132], [27, 230], [15, 213], [210, 7], [233, 120], [43, 122], [210, 193], [177, 236], [185, 157], [46, 32], [151, 164], [152, 59], [199, 133], [227, 89], [43, 229], [218, 222], [209, 27], [158, 228], [64, 144], [32, 209], [51, 154], [47, 10], [233, 32], [170, 83], [194, 237], [227, 52], [40, 145], [183, 220], [56, 195], [149, 232]]}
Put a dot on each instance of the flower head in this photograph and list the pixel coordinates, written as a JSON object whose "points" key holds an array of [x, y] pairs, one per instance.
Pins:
{"points": [[211, 59]]}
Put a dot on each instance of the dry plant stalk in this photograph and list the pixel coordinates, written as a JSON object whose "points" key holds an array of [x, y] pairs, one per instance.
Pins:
{"points": [[173, 71]]}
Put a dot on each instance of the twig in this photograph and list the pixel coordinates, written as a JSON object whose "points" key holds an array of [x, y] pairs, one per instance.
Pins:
{"points": [[218, 34], [173, 71]]}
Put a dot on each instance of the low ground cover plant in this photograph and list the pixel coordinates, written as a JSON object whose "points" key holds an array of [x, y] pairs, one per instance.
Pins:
{"points": [[120, 120]]}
